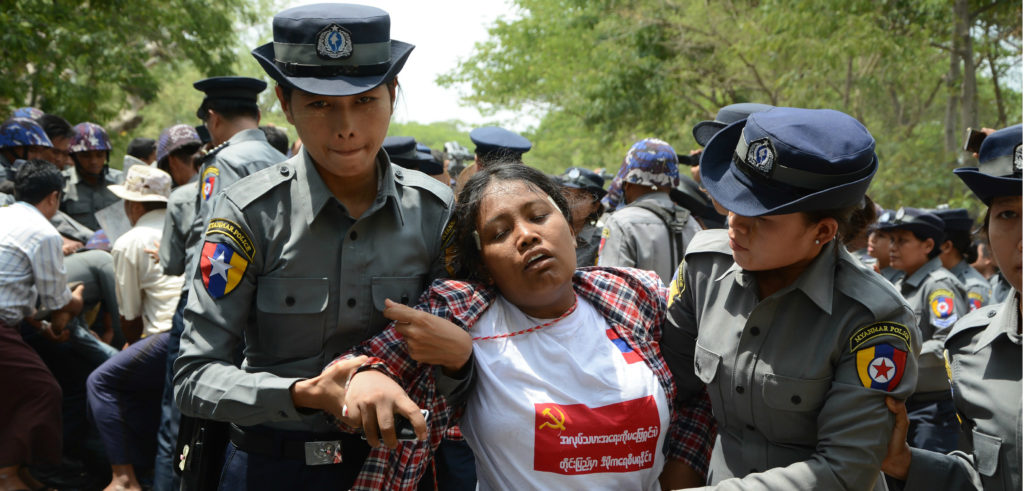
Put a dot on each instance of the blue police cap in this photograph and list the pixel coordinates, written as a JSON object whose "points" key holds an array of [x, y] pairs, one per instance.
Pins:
{"points": [[787, 160], [586, 179], [923, 224], [242, 89], [402, 151], [493, 141], [332, 49], [999, 166], [704, 130], [955, 219]]}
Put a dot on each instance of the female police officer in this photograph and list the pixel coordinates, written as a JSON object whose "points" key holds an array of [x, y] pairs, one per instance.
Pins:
{"points": [[298, 258], [794, 339], [984, 350]]}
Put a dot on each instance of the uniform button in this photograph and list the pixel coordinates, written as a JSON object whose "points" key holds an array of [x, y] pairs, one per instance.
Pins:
{"points": [[739, 389], [991, 313], [284, 170], [754, 331], [353, 235], [351, 302], [289, 301], [795, 399], [398, 174]]}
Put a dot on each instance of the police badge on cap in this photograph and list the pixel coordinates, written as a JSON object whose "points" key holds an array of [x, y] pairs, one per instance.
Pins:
{"points": [[334, 43], [761, 156]]}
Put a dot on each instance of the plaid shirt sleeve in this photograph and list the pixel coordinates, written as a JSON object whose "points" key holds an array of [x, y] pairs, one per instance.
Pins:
{"points": [[402, 468]]}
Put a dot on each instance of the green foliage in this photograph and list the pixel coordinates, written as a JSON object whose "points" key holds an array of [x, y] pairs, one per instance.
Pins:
{"points": [[434, 135], [611, 72]]}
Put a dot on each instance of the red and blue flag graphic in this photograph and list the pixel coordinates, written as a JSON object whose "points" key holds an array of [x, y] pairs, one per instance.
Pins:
{"points": [[222, 268], [627, 351]]}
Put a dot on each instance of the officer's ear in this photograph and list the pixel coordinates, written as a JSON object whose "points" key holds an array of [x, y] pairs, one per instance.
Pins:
{"points": [[946, 246]]}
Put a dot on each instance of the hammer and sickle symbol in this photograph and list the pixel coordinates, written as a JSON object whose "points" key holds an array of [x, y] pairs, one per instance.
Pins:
{"points": [[558, 424]]}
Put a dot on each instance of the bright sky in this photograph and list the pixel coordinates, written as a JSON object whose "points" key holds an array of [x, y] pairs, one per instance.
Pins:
{"points": [[444, 32]]}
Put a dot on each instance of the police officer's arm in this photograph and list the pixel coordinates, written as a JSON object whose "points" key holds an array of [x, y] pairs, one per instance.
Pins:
{"points": [[854, 425], [618, 249], [172, 244], [921, 469], [207, 383], [932, 348]]}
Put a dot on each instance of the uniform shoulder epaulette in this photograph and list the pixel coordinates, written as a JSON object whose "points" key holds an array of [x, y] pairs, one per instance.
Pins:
{"points": [[879, 300], [712, 240], [213, 151], [417, 179], [251, 187], [978, 319]]}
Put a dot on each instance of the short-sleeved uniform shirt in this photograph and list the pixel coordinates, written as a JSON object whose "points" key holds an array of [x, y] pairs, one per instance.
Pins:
{"points": [[286, 269], [978, 290], [984, 353], [797, 380], [143, 290], [181, 211], [634, 237], [82, 200], [938, 300]]}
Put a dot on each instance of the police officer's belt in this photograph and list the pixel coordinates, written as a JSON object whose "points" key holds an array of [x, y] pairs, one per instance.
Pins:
{"points": [[313, 448]]}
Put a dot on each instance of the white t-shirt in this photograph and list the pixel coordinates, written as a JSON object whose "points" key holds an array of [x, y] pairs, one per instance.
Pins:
{"points": [[568, 406], [142, 287]]}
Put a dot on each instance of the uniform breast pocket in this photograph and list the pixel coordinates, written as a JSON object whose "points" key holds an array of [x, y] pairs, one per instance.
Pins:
{"points": [[792, 407], [291, 315], [986, 452], [706, 365], [402, 289]]}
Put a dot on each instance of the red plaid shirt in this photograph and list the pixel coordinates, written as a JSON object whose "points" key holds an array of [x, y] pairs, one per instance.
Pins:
{"points": [[632, 301]]}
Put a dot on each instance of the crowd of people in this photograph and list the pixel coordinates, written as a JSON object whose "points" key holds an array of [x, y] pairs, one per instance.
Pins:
{"points": [[230, 310]]}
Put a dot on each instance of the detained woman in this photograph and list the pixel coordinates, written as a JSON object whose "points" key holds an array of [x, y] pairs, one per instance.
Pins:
{"points": [[795, 340], [984, 350], [567, 387]]}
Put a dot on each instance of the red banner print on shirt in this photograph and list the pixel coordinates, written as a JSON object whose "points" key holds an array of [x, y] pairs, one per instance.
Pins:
{"points": [[576, 439]]}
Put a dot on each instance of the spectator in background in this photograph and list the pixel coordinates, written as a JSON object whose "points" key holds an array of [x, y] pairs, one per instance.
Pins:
{"points": [[86, 191], [31, 271], [124, 393], [140, 151], [276, 137], [176, 153], [583, 189], [60, 132], [21, 139]]}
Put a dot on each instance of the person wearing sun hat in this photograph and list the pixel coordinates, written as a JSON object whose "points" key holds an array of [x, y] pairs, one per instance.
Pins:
{"points": [[795, 342], [983, 350], [146, 298], [299, 258]]}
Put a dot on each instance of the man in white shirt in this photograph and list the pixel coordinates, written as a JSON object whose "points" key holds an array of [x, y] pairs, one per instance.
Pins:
{"points": [[124, 393], [31, 273]]}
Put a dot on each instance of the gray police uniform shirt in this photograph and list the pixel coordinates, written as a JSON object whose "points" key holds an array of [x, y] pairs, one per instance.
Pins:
{"points": [[288, 271], [1000, 288], [636, 238], [70, 228], [82, 201], [181, 211], [984, 352], [588, 243], [979, 291], [797, 380], [245, 153], [938, 300], [891, 274]]}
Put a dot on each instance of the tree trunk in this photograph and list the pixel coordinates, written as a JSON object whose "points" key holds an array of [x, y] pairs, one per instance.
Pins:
{"points": [[994, 69], [969, 94], [950, 120]]}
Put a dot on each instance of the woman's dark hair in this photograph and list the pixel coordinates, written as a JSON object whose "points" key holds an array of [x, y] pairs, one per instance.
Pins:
{"points": [[853, 220], [961, 240], [55, 126], [35, 180], [467, 261]]}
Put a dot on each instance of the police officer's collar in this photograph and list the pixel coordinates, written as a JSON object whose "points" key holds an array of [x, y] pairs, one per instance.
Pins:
{"points": [[319, 195], [926, 269], [817, 282], [1006, 317]]}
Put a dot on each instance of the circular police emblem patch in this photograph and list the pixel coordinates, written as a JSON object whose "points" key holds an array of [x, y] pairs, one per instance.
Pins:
{"points": [[334, 43], [900, 213], [1017, 159], [761, 156], [573, 174], [882, 369]]}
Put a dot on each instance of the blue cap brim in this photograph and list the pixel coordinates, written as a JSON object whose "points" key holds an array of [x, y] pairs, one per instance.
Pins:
{"points": [[987, 187], [705, 130], [919, 229], [340, 85], [747, 196]]}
